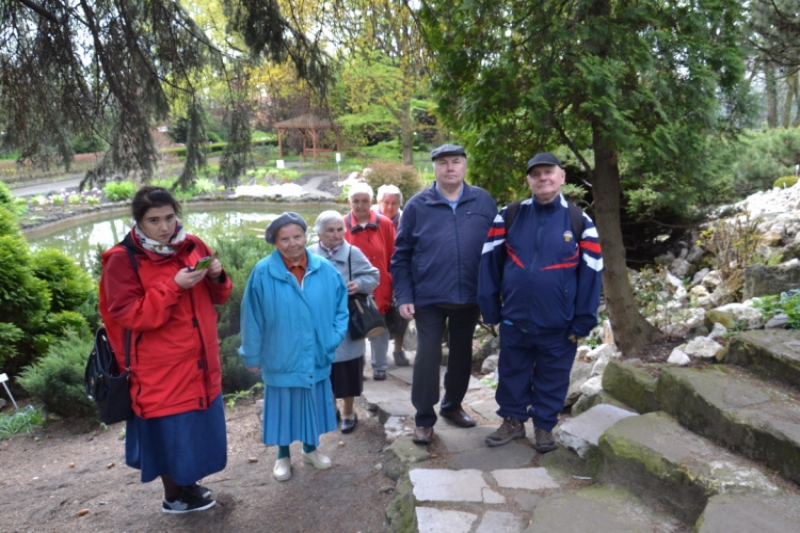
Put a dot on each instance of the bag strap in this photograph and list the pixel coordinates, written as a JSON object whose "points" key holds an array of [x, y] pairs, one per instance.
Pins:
{"points": [[350, 263], [575, 217], [128, 333]]}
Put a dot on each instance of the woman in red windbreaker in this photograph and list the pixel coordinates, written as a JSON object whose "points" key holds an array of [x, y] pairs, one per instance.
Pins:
{"points": [[150, 287]]}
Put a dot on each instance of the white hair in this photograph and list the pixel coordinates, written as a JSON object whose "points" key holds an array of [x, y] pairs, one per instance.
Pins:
{"points": [[360, 188], [383, 190], [325, 218]]}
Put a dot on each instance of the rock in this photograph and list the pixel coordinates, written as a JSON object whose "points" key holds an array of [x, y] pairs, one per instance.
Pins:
{"points": [[582, 352], [725, 292], [777, 322], [678, 357], [772, 238], [592, 386], [674, 281], [702, 347], [490, 364], [714, 316], [602, 361], [699, 275], [696, 254], [490, 347], [595, 354], [680, 267], [712, 280], [577, 377], [746, 316], [665, 259], [608, 333], [760, 280], [717, 331], [791, 251], [2, 404], [698, 291], [401, 454]]}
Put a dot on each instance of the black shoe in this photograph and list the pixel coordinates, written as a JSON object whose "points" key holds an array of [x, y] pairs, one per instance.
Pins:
{"points": [[400, 359], [197, 490], [349, 424], [186, 503], [512, 428], [458, 417], [379, 375]]}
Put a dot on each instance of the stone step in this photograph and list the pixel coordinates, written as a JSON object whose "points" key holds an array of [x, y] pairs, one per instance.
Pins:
{"points": [[728, 513], [773, 353], [662, 461], [601, 508], [730, 406]]}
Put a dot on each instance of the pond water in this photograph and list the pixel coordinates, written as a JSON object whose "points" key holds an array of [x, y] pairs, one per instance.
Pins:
{"points": [[80, 238]]}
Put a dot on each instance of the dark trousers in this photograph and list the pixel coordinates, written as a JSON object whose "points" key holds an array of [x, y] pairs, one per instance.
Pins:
{"points": [[431, 322], [533, 375]]}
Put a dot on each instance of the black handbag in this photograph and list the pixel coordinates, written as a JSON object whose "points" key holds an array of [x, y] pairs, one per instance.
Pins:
{"points": [[105, 384], [365, 319]]}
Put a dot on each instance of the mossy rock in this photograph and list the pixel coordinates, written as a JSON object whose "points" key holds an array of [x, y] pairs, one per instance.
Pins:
{"points": [[631, 385], [714, 316], [587, 402], [785, 182], [401, 510]]}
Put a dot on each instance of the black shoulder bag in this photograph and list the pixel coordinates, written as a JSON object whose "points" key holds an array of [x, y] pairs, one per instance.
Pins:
{"points": [[365, 319]]}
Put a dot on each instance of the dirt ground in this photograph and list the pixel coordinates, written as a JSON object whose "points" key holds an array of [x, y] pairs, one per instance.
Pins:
{"points": [[48, 479]]}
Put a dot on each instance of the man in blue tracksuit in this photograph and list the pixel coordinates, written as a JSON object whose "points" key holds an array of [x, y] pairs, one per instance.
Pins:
{"points": [[435, 274], [541, 282]]}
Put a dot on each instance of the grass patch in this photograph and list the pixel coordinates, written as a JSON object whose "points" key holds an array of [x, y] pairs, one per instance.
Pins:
{"points": [[23, 421]]}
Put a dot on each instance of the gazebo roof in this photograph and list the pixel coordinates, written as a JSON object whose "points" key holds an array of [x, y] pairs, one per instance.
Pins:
{"points": [[307, 121]]}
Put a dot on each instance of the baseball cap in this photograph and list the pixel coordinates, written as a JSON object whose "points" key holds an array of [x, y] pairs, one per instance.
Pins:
{"points": [[544, 158]]}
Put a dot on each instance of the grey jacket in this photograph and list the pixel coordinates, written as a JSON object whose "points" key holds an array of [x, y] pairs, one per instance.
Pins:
{"points": [[367, 277]]}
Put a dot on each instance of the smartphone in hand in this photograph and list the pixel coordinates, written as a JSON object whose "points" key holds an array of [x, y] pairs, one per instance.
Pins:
{"points": [[203, 263]]}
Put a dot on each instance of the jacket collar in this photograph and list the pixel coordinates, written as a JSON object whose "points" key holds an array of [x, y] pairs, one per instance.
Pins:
{"points": [[279, 271], [353, 227], [432, 197]]}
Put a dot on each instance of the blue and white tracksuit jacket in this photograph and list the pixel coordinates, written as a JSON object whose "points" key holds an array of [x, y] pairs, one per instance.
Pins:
{"points": [[538, 275]]}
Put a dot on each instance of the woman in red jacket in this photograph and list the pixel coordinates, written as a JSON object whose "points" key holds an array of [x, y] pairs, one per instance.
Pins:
{"points": [[150, 288]]}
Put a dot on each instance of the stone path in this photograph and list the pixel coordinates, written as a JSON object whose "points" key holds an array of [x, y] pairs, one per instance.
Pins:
{"points": [[693, 458]]}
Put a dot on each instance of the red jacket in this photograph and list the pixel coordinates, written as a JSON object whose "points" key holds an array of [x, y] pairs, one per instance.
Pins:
{"points": [[174, 346], [376, 240]]}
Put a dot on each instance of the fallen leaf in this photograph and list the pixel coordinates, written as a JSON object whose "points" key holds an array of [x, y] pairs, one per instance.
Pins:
{"points": [[434, 455], [252, 459], [111, 464], [83, 512], [72, 465], [341, 443]]}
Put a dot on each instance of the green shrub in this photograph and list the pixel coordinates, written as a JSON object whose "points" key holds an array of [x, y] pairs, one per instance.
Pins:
{"points": [[10, 336], [235, 376], [69, 285], [785, 182], [57, 324], [20, 422], [8, 222], [390, 173], [116, 191], [6, 198], [57, 378], [88, 143]]}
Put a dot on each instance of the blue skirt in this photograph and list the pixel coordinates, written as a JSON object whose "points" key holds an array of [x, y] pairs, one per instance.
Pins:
{"points": [[186, 447], [296, 413]]}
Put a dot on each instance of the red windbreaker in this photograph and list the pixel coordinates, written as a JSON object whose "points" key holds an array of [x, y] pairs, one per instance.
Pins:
{"points": [[376, 241], [175, 360]]}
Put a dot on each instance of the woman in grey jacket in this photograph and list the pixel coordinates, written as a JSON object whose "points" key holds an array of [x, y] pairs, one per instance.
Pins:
{"points": [[360, 277]]}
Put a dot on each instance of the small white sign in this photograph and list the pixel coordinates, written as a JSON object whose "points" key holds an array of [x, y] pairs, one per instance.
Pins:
{"points": [[338, 157], [280, 164], [3, 377]]}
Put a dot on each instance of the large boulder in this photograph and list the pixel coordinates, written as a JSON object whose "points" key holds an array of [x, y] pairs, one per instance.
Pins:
{"points": [[761, 280]]}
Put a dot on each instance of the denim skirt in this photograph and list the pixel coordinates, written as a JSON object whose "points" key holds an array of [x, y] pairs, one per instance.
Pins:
{"points": [[186, 446]]}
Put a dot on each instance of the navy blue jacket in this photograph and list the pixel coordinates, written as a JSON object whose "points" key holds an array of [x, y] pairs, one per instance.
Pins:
{"points": [[538, 275], [438, 251]]}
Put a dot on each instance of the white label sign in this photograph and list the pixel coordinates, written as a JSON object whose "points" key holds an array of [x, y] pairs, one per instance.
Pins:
{"points": [[3, 377], [338, 157], [280, 164]]}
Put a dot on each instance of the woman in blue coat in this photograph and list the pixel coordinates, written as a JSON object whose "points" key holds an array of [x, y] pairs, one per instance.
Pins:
{"points": [[294, 315]]}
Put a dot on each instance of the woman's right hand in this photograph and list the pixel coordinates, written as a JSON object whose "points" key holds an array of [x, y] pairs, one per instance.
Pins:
{"points": [[352, 288], [186, 278]]}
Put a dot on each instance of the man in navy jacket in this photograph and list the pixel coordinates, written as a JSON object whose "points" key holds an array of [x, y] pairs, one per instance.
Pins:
{"points": [[542, 284], [435, 273]]}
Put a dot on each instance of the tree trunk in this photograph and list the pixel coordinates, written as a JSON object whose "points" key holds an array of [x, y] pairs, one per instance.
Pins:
{"points": [[407, 134], [771, 89], [631, 331], [791, 92]]}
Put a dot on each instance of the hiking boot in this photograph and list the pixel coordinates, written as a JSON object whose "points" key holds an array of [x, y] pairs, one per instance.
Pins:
{"points": [[379, 375], [197, 490], [511, 428], [186, 503], [544, 440], [400, 358]]}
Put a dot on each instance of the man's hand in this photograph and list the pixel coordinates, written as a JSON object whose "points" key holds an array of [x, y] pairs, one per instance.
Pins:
{"points": [[407, 311]]}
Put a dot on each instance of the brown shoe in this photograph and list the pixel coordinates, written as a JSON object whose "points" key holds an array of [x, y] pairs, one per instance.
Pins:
{"points": [[423, 435], [511, 428], [459, 417], [544, 441]]}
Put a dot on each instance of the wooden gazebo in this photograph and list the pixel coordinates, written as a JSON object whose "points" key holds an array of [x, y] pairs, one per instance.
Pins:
{"points": [[309, 126]]}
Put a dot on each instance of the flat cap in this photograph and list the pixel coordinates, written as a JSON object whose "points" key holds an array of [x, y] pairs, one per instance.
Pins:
{"points": [[447, 149], [285, 218], [544, 158]]}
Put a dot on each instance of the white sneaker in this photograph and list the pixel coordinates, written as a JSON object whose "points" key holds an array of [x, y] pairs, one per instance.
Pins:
{"points": [[283, 469], [316, 458]]}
